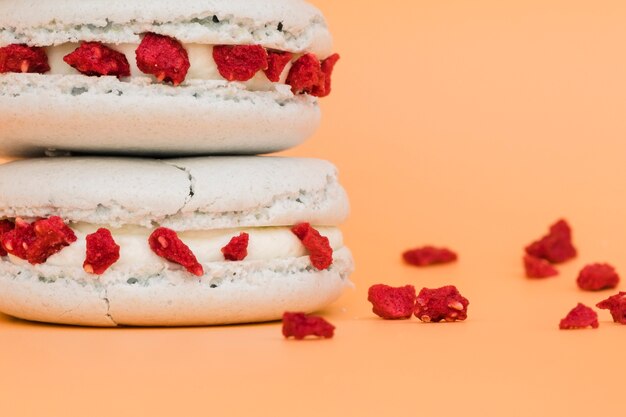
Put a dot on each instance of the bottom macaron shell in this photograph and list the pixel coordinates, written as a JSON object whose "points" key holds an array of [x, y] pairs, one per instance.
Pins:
{"points": [[227, 293]]}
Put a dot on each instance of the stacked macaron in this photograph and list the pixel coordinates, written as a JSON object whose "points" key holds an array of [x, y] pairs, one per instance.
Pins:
{"points": [[115, 237]]}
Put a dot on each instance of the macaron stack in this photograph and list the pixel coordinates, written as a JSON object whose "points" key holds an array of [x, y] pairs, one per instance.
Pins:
{"points": [[139, 217]]}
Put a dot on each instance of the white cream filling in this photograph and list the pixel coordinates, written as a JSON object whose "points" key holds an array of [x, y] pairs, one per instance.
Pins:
{"points": [[265, 243], [202, 64]]}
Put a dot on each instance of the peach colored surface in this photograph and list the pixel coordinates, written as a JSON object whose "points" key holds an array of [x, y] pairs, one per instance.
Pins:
{"points": [[472, 124]]}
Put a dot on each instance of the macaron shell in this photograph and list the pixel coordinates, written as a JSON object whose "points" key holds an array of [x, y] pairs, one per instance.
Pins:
{"points": [[104, 115], [52, 22], [236, 292]]}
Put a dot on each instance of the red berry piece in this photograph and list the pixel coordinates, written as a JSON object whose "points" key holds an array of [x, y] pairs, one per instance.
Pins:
{"points": [[445, 303], [304, 75], [166, 243], [580, 317], [616, 304], [392, 302], [38, 241], [300, 325], [556, 246], [5, 226], [596, 277], [538, 268], [429, 255], [23, 58], [240, 62], [324, 86], [94, 58], [102, 252], [320, 252], [276, 63], [237, 248], [163, 57]]}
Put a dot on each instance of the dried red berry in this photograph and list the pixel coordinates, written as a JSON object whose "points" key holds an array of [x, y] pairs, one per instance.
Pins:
{"points": [[538, 268], [5, 226], [320, 252], [445, 303], [580, 317], [276, 63], [324, 86], [429, 255], [163, 57], [596, 277], [556, 246], [240, 62], [237, 248], [304, 75], [23, 58], [94, 58], [392, 302], [616, 304], [166, 243], [38, 241], [300, 325], [102, 252]]}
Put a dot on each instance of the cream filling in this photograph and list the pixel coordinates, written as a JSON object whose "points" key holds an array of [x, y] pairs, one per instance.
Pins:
{"points": [[202, 64], [265, 243]]}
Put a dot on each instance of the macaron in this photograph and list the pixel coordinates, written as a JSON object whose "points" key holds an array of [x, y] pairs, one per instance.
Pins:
{"points": [[107, 241], [161, 78]]}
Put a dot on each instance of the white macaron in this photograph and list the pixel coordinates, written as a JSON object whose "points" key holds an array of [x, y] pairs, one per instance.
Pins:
{"points": [[157, 212], [200, 104]]}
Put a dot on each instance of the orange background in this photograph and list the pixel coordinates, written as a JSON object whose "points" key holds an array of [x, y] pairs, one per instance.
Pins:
{"points": [[471, 124]]}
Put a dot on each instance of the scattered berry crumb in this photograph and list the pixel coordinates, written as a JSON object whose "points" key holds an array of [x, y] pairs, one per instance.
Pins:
{"points": [[597, 276], [163, 57], [429, 255], [300, 325], [538, 268], [556, 246], [166, 243], [22, 58], [320, 252], [445, 303], [237, 248], [392, 303], [101, 252], [94, 58], [616, 304], [580, 317], [240, 62]]}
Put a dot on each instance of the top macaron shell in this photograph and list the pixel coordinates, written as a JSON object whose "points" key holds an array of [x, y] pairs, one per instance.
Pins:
{"points": [[103, 115]]}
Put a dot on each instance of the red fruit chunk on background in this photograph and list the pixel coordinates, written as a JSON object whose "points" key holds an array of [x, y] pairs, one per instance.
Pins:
{"points": [[320, 252], [324, 86], [23, 58], [556, 246], [429, 255], [538, 268], [276, 63], [102, 252], [163, 57], [445, 303], [166, 243], [300, 325], [240, 62], [38, 241], [94, 58], [304, 75], [392, 302], [5, 226], [597, 276], [616, 304], [237, 248], [579, 317]]}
